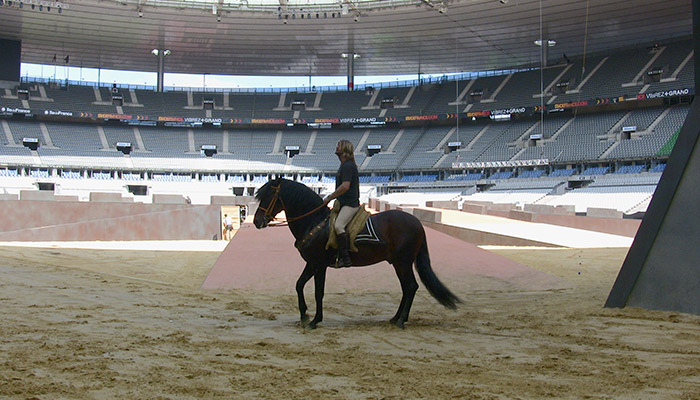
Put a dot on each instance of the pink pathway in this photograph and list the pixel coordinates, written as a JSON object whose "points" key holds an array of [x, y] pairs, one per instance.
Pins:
{"points": [[266, 260]]}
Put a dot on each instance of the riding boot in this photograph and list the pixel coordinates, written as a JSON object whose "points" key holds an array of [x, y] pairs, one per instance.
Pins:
{"points": [[343, 247]]}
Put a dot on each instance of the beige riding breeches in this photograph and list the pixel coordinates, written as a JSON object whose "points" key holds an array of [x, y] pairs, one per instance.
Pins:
{"points": [[344, 216]]}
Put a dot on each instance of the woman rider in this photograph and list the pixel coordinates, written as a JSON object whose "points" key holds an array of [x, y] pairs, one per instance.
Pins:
{"points": [[347, 193]]}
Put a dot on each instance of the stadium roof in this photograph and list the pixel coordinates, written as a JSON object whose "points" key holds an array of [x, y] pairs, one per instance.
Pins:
{"points": [[287, 37]]}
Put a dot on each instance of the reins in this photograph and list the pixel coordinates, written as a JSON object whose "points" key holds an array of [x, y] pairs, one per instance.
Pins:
{"points": [[271, 206], [304, 215]]}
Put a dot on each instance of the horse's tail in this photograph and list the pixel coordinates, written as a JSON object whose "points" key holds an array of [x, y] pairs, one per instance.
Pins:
{"points": [[431, 281]]}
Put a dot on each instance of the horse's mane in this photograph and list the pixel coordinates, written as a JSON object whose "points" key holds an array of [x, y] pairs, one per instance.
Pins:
{"points": [[264, 191], [296, 195]]}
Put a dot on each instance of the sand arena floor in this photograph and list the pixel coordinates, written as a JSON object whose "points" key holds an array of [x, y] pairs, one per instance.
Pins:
{"points": [[134, 324]]}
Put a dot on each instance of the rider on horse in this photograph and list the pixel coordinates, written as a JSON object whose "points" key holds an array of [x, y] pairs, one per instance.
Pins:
{"points": [[347, 193]]}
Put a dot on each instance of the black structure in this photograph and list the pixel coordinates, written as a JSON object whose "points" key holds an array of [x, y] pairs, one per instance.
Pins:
{"points": [[209, 150], [30, 143], [373, 149], [10, 59], [137, 190], [291, 151], [47, 186], [661, 270], [124, 147]]}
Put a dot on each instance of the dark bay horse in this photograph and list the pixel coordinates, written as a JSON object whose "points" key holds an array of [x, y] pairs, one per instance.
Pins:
{"points": [[402, 244]]}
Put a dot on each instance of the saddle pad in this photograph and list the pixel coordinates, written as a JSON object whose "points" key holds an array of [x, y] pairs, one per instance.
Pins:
{"points": [[368, 234], [356, 225]]}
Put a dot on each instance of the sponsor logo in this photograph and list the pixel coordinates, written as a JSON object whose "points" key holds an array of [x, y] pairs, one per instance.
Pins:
{"points": [[15, 110], [57, 112], [357, 120], [668, 93], [268, 121], [114, 116], [421, 117], [203, 120], [478, 114], [517, 110], [572, 104]]}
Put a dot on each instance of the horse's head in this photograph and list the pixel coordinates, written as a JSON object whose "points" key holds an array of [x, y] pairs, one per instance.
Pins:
{"points": [[269, 203]]}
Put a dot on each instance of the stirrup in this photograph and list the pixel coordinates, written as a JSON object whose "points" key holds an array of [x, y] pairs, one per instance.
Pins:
{"points": [[340, 263]]}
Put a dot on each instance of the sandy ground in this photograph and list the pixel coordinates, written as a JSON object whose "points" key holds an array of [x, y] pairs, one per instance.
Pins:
{"points": [[124, 324]]}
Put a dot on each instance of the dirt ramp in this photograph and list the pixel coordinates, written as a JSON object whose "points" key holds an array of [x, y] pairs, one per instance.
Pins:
{"points": [[265, 259]]}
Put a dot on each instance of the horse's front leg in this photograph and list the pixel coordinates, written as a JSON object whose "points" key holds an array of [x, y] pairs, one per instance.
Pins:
{"points": [[301, 282], [319, 287]]}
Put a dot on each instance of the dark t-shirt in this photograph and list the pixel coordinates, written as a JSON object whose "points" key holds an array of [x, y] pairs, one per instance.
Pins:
{"points": [[348, 172]]}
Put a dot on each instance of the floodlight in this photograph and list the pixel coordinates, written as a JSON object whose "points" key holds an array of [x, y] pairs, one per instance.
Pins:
{"points": [[550, 43]]}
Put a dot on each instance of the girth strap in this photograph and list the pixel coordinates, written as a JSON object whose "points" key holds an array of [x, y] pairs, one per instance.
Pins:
{"points": [[299, 244]]}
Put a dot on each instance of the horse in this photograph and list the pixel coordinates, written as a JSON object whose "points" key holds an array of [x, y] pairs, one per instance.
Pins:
{"points": [[402, 244]]}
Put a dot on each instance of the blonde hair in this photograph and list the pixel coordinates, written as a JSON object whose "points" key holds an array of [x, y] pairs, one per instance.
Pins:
{"points": [[347, 149]]}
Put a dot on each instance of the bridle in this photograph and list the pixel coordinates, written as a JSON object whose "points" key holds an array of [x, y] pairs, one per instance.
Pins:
{"points": [[268, 216], [269, 210]]}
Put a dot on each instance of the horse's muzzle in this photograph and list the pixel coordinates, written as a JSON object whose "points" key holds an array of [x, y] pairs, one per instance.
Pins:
{"points": [[261, 222]]}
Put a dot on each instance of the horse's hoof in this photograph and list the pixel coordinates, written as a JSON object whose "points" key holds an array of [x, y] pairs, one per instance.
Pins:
{"points": [[398, 324], [304, 321], [313, 324]]}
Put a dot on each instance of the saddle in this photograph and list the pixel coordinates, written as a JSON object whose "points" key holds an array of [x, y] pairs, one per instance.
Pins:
{"points": [[360, 229], [359, 224]]}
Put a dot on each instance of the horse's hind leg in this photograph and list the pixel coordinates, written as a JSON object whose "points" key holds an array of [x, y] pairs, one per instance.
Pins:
{"points": [[301, 282], [409, 286]]}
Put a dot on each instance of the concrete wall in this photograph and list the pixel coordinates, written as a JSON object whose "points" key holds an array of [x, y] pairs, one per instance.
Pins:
{"points": [[383, 205], [232, 200], [169, 199], [480, 238], [615, 226], [597, 219], [559, 215], [36, 195], [50, 220], [373, 203], [427, 215], [488, 208], [60, 197], [106, 197], [446, 204], [603, 213], [547, 209], [433, 219], [474, 208]]}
